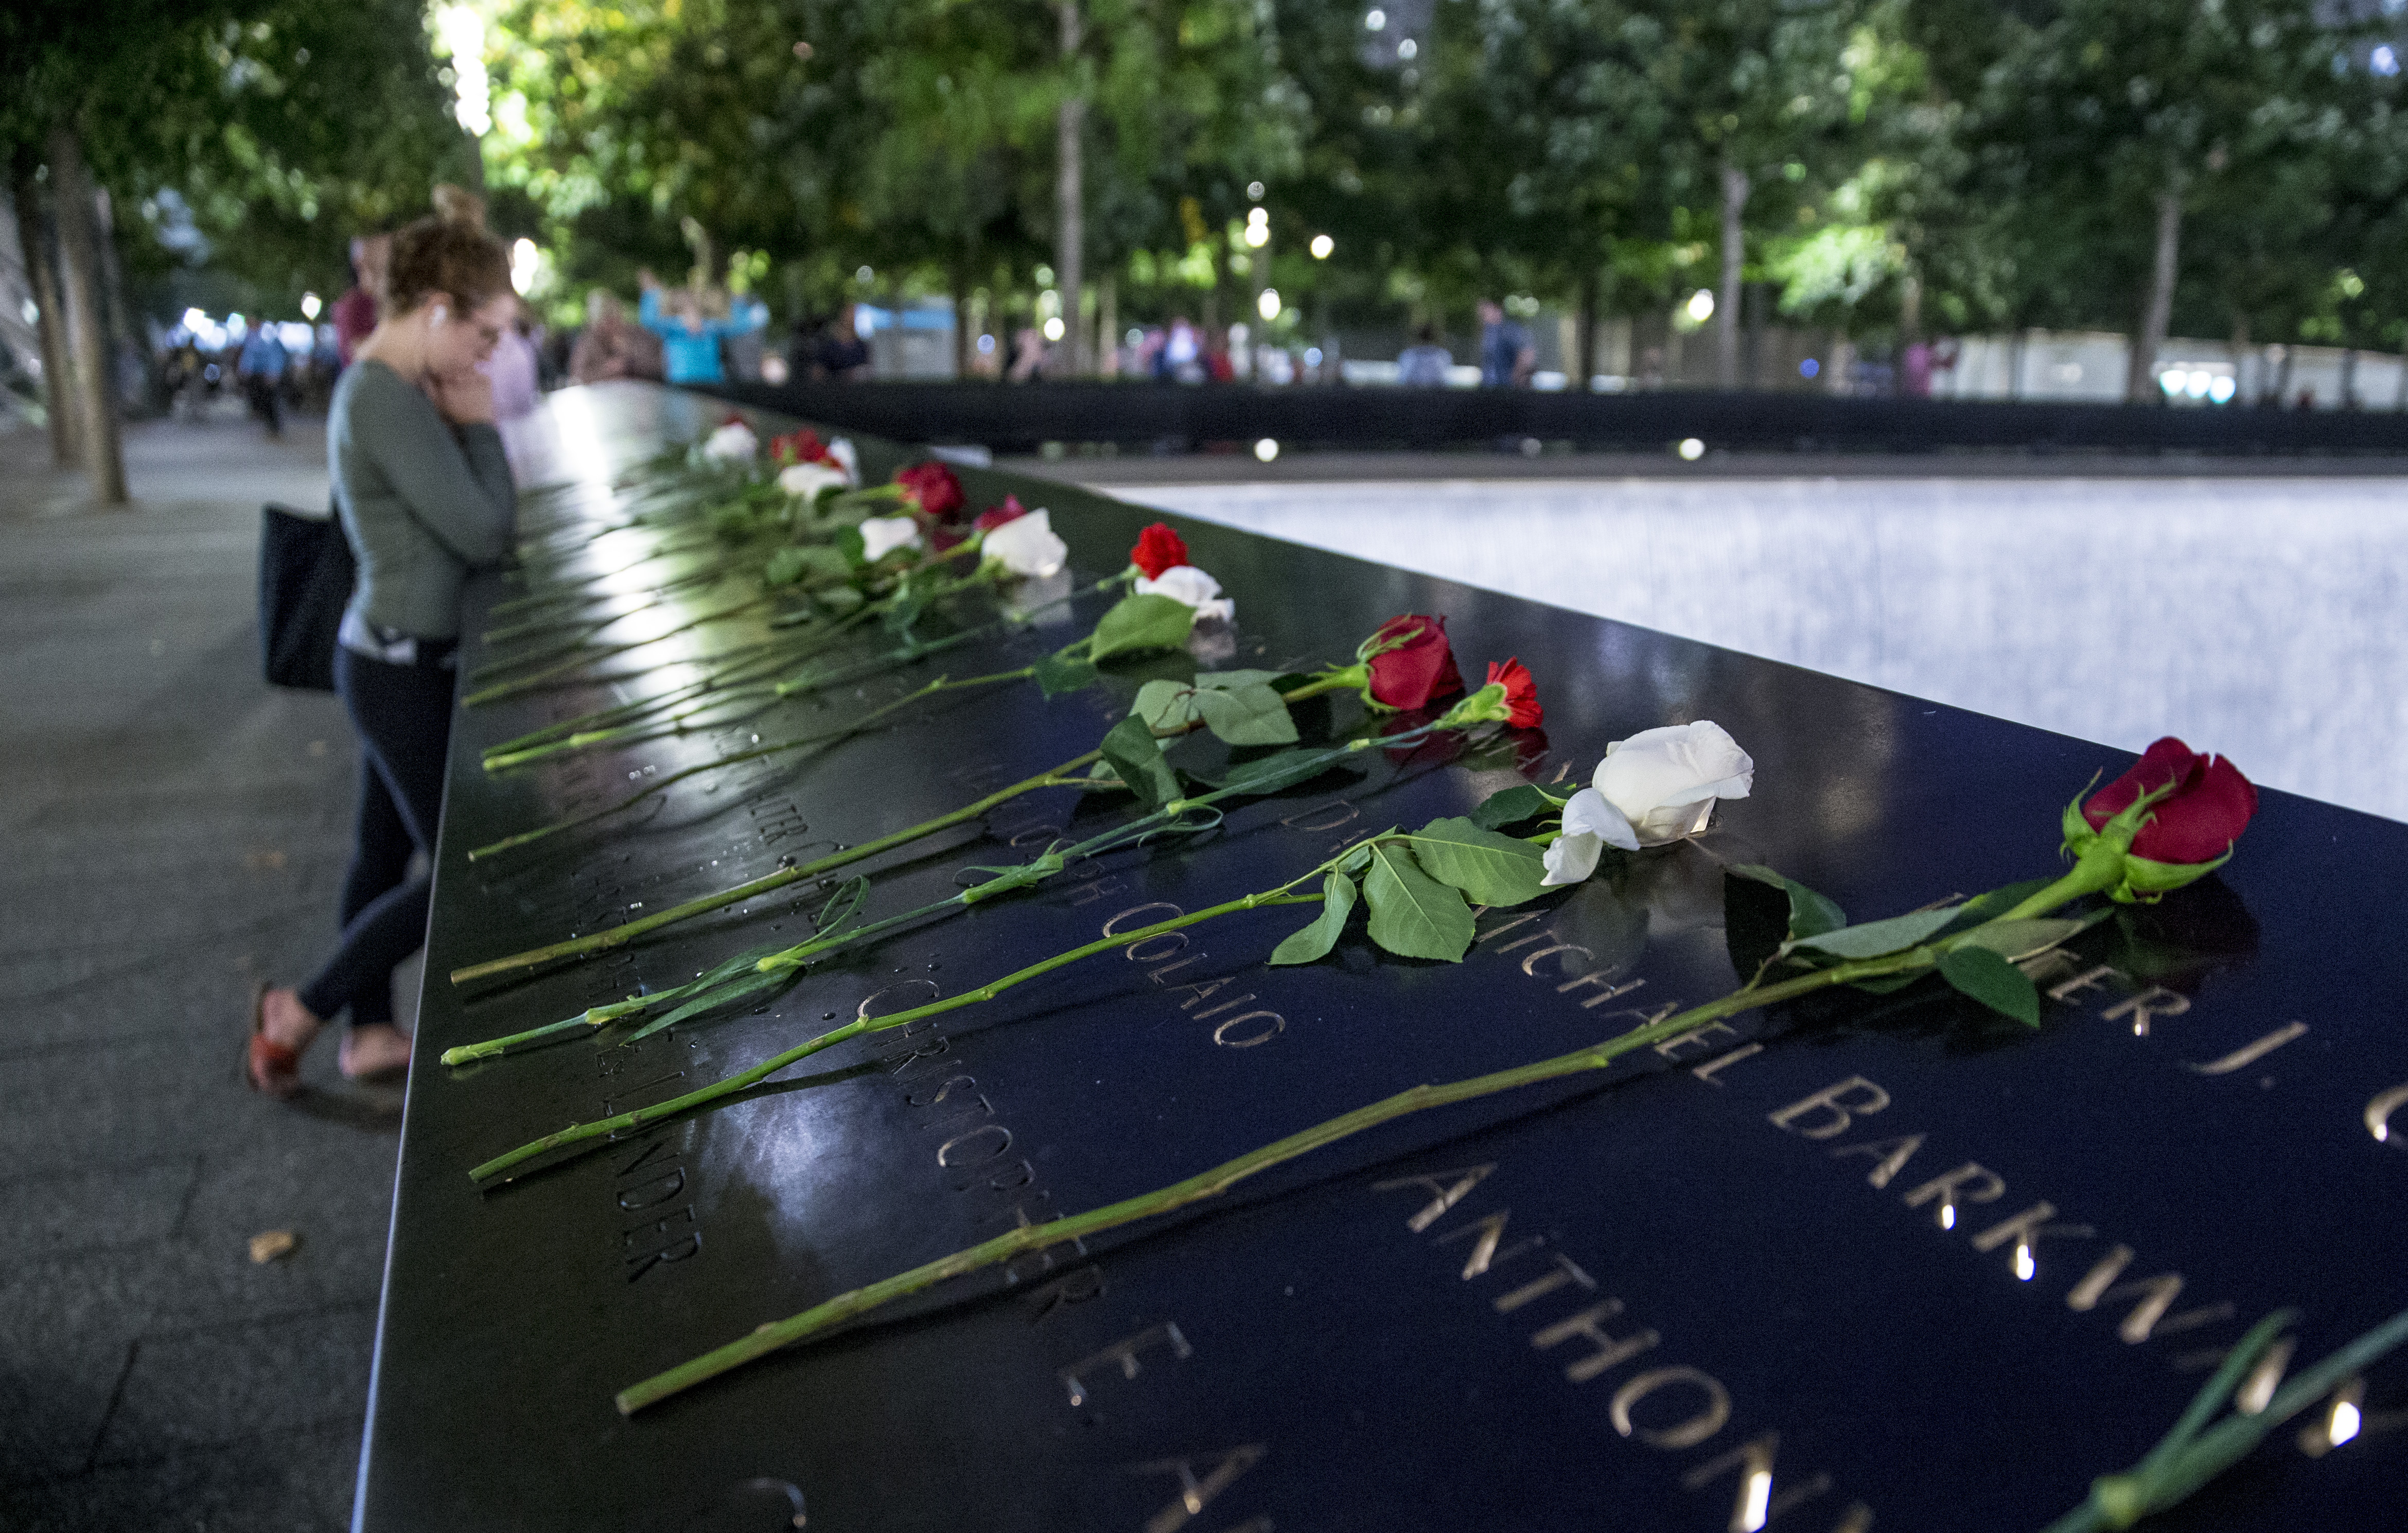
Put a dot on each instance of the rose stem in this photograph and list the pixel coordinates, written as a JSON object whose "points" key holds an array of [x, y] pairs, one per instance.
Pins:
{"points": [[754, 753], [536, 679], [615, 937], [576, 1133], [819, 1317]]}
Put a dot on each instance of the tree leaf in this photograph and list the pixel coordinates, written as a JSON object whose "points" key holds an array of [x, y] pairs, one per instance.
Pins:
{"points": [[1314, 941], [1997, 902], [1511, 806], [1137, 623], [1280, 769], [1876, 937], [1130, 748], [1412, 914], [1058, 676], [1247, 715], [1991, 979], [1231, 681], [1493, 869], [1809, 914]]}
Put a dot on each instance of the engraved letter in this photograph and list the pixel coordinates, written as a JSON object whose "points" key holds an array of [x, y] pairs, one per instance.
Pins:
{"points": [[1485, 1253], [1716, 1065], [966, 1146], [1227, 1036], [1686, 1434], [1124, 1354], [2379, 1111], [1893, 1155], [2251, 1054], [1755, 1505], [2089, 979], [2156, 1001], [1603, 978], [1110, 926], [1833, 1102], [1196, 1492], [1612, 1351], [1531, 958], [1445, 1194], [1670, 1047], [1566, 1270]]}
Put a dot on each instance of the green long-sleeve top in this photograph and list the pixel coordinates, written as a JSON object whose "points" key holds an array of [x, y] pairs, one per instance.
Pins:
{"points": [[423, 503]]}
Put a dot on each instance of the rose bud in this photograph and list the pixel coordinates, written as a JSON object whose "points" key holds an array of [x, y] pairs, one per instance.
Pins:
{"points": [[1655, 787], [733, 442], [1522, 709], [1410, 663], [996, 516], [1158, 549], [933, 487], [1024, 543], [2175, 814]]}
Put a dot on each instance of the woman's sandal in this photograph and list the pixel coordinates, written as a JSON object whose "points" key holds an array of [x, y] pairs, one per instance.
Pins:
{"points": [[269, 1068]]}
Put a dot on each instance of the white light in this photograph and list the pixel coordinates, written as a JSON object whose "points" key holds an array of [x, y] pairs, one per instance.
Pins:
{"points": [[1258, 234], [309, 306], [1947, 1216], [1759, 1502], [1374, 19], [1255, 194], [462, 31], [864, 275], [1053, 328], [32, 311], [1312, 356], [2171, 379], [986, 345], [1269, 304], [1407, 48], [1266, 449], [524, 259], [2025, 1266], [1691, 449], [1134, 337], [1701, 305], [2345, 1422], [195, 320], [1258, 215], [2221, 390], [1322, 246], [2197, 384], [235, 324], [773, 369], [2385, 60]]}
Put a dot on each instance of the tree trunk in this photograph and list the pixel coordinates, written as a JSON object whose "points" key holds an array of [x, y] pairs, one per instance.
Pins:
{"points": [[1107, 325], [2015, 363], [59, 394], [79, 272], [1585, 341], [2283, 377], [2141, 382], [1759, 308], [1069, 230], [958, 290], [1727, 300], [2349, 377], [2241, 359]]}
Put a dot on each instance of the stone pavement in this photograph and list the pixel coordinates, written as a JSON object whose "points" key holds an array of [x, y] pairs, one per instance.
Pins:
{"points": [[175, 831]]}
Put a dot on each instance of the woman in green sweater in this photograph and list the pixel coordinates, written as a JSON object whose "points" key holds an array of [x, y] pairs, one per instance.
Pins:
{"points": [[425, 499]]}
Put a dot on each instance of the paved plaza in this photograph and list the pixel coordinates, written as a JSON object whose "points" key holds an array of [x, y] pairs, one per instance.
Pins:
{"points": [[176, 831]]}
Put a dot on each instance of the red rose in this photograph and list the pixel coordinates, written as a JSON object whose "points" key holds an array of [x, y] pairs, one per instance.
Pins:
{"points": [[1158, 549], [933, 487], [2197, 821], [1414, 670], [996, 516], [1521, 693], [801, 445]]}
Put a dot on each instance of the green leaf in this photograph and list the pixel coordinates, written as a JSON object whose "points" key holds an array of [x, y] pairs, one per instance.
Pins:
{"points": [[1280, 769], [1513, 806], [1166, 705], [848, 544], [841, 908], [1809, 914], [1137, 623], [841, 601], [1314, 941], [1876, 937], [1247, 715], [1130, 749], [1232, 680], [1412, 914], [1058, 676], [1492, 870], [1997, 902], [1992, 981], [2013, 940], [814, 565]]}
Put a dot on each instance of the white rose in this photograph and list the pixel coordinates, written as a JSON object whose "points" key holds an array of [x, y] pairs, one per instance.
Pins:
{"points": [[805, 481], [1026, 545], [1189, 584], [732, 443], [883, 534], [1649, 790], [842, 450]]}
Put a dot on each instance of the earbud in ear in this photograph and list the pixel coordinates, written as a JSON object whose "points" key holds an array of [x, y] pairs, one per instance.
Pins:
{"points": [[437, 315]]}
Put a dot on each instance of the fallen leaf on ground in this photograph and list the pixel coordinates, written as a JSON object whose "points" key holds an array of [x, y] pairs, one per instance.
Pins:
{"points": [[274, 1244]]}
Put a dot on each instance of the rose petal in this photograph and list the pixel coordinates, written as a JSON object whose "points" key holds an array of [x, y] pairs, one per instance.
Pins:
{"points": [[1026, 545], [1589, 812], [1678, 763], [1571, 858], [883, 534], [1186, 584]]}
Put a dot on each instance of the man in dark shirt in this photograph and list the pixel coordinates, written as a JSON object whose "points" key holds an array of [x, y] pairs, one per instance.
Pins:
{"points": [[843, 354], [1506, 354]]}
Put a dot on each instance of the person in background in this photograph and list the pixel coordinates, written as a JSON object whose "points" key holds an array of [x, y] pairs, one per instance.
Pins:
{"points": [[1506, 354], [513, 368], [841, 356], [1219, 366], [1182, 357], [1424, 364], [424, 497], [354, 313], [261, 367], [1028, 355], [611, 348], [689, 337]]}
